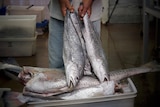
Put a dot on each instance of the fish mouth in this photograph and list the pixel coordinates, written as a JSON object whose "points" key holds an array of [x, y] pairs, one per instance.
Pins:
{"points": [[71, 85], [73, 82], [107, 78]]}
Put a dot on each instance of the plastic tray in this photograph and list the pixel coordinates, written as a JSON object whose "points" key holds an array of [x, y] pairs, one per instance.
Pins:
{"points": [[27, 10], [17, 46], [17, 26]]}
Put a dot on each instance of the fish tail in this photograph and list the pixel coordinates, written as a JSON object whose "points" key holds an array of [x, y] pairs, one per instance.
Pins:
{"points": [[154, 65], [10, 67]]}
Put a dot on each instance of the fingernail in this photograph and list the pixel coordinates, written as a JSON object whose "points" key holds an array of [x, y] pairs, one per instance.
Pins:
{"points": [[82, 15]]}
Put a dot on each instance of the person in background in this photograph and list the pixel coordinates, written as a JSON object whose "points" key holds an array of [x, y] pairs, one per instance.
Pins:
{"points": [[57, 10]]}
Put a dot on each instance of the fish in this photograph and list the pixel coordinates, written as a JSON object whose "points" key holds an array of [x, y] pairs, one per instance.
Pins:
{"points": [[73, 54], [104, 89], [94, 50], [78, 26], [44, 80], [48, 82], [50, 86]]}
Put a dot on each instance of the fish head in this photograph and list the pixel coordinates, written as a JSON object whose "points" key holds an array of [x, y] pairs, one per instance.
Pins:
{"points": [[72, 81], [73, 75], [101, 73], [26, 74]]}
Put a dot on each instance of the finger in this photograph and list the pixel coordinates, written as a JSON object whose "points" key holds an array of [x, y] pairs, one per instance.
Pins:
{"points": [[89, 11], [64, 11], [80, 9], [83, 11], [69, 7]]}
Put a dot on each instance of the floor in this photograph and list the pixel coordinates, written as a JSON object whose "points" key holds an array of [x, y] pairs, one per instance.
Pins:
{"points": [[123, 47]]}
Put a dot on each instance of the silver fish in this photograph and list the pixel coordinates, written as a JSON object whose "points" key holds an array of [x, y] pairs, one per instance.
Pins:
{"points": [[44, 81], [106, 88], [78, 26], [95, 51], [73, 55]]}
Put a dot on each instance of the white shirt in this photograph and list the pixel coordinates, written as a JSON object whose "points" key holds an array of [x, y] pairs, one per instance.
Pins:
{"points": [[55, 10]]}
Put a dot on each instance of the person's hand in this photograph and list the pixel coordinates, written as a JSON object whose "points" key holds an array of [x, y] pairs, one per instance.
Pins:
{"points": [[85, 7], [65, 4]]}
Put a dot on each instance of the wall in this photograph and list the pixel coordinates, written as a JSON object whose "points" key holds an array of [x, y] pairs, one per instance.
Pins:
{"points": [[126, 11]]}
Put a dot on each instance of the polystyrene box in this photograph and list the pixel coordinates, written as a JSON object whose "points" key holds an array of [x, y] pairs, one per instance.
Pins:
{"points": [[125, 99], [17, 26], [25, 10], [17, 46]]}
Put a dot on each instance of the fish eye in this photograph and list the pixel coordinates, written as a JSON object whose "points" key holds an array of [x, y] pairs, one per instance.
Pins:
{"points": [[77, 78]]}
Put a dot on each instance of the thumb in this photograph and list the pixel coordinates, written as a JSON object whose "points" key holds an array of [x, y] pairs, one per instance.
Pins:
{"points": [[70, 7], [89, 11], [84, 10]]}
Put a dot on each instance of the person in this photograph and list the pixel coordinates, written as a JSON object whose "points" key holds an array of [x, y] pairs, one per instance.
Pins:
{"points": [[57, 10]]}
